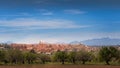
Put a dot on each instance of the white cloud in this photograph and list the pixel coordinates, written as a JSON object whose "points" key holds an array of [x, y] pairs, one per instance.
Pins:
{"points": [[28, 24], [53, 37], [19, 14], [47, 13], [43, 10], [74, 11]]}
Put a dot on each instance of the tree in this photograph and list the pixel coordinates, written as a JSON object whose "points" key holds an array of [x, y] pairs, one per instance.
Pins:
{"points": [[14, 56], [7, 46], [72, 57], [2, 55], [108, 53], [44, 58], [23, 59], [60, 56], [30, 57], [84, 56], [32, 51], [118, 56]]}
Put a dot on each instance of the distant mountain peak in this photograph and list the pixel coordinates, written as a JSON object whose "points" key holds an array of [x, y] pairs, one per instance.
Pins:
{"points": [[7, 42], [102, 41], [75, 42], [105, 41]]}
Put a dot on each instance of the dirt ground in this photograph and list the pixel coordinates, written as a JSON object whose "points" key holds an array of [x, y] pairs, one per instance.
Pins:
{"points": [[61, 66]]}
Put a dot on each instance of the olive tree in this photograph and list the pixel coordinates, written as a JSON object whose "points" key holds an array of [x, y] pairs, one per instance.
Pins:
{"points": [[43, 58], [30, 57], [84, 56], [60, 56], [14, 56], [72, 57], [2, 55], [108, 53]]}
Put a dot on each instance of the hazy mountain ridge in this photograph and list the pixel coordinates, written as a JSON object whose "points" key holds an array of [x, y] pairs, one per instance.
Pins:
{"points": [[100, 42]]}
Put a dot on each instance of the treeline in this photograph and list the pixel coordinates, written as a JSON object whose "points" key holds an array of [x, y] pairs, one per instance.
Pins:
{"points": [[14, 56]]}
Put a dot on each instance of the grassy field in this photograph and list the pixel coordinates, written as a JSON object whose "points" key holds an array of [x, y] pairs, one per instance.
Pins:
{"points": [[60, 66]]}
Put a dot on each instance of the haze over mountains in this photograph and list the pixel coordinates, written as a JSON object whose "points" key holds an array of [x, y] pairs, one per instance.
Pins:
{"points": [[99, 42], [90, 42]]}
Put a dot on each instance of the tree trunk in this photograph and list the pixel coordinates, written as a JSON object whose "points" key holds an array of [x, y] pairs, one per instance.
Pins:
{"points": [[83, 62], [73, 61], [107, 62], [29, 62], [43, 62], [23, 62], [62, 61]]}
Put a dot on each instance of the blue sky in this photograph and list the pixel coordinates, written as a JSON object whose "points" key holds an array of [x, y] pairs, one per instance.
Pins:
{"points": [[29, 21]]}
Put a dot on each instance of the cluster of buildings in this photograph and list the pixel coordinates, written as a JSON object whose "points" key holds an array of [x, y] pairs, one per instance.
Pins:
{"points": [[48, 48]]}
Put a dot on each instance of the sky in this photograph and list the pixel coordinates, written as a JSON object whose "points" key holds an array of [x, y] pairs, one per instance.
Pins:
{"points": [[29, 21]]}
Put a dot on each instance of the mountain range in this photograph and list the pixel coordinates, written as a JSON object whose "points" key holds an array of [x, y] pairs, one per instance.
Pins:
{"points": [[99, 42], [93, 42]]}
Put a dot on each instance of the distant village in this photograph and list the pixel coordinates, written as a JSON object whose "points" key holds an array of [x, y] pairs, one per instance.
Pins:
{"points": [[48, 48]]}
